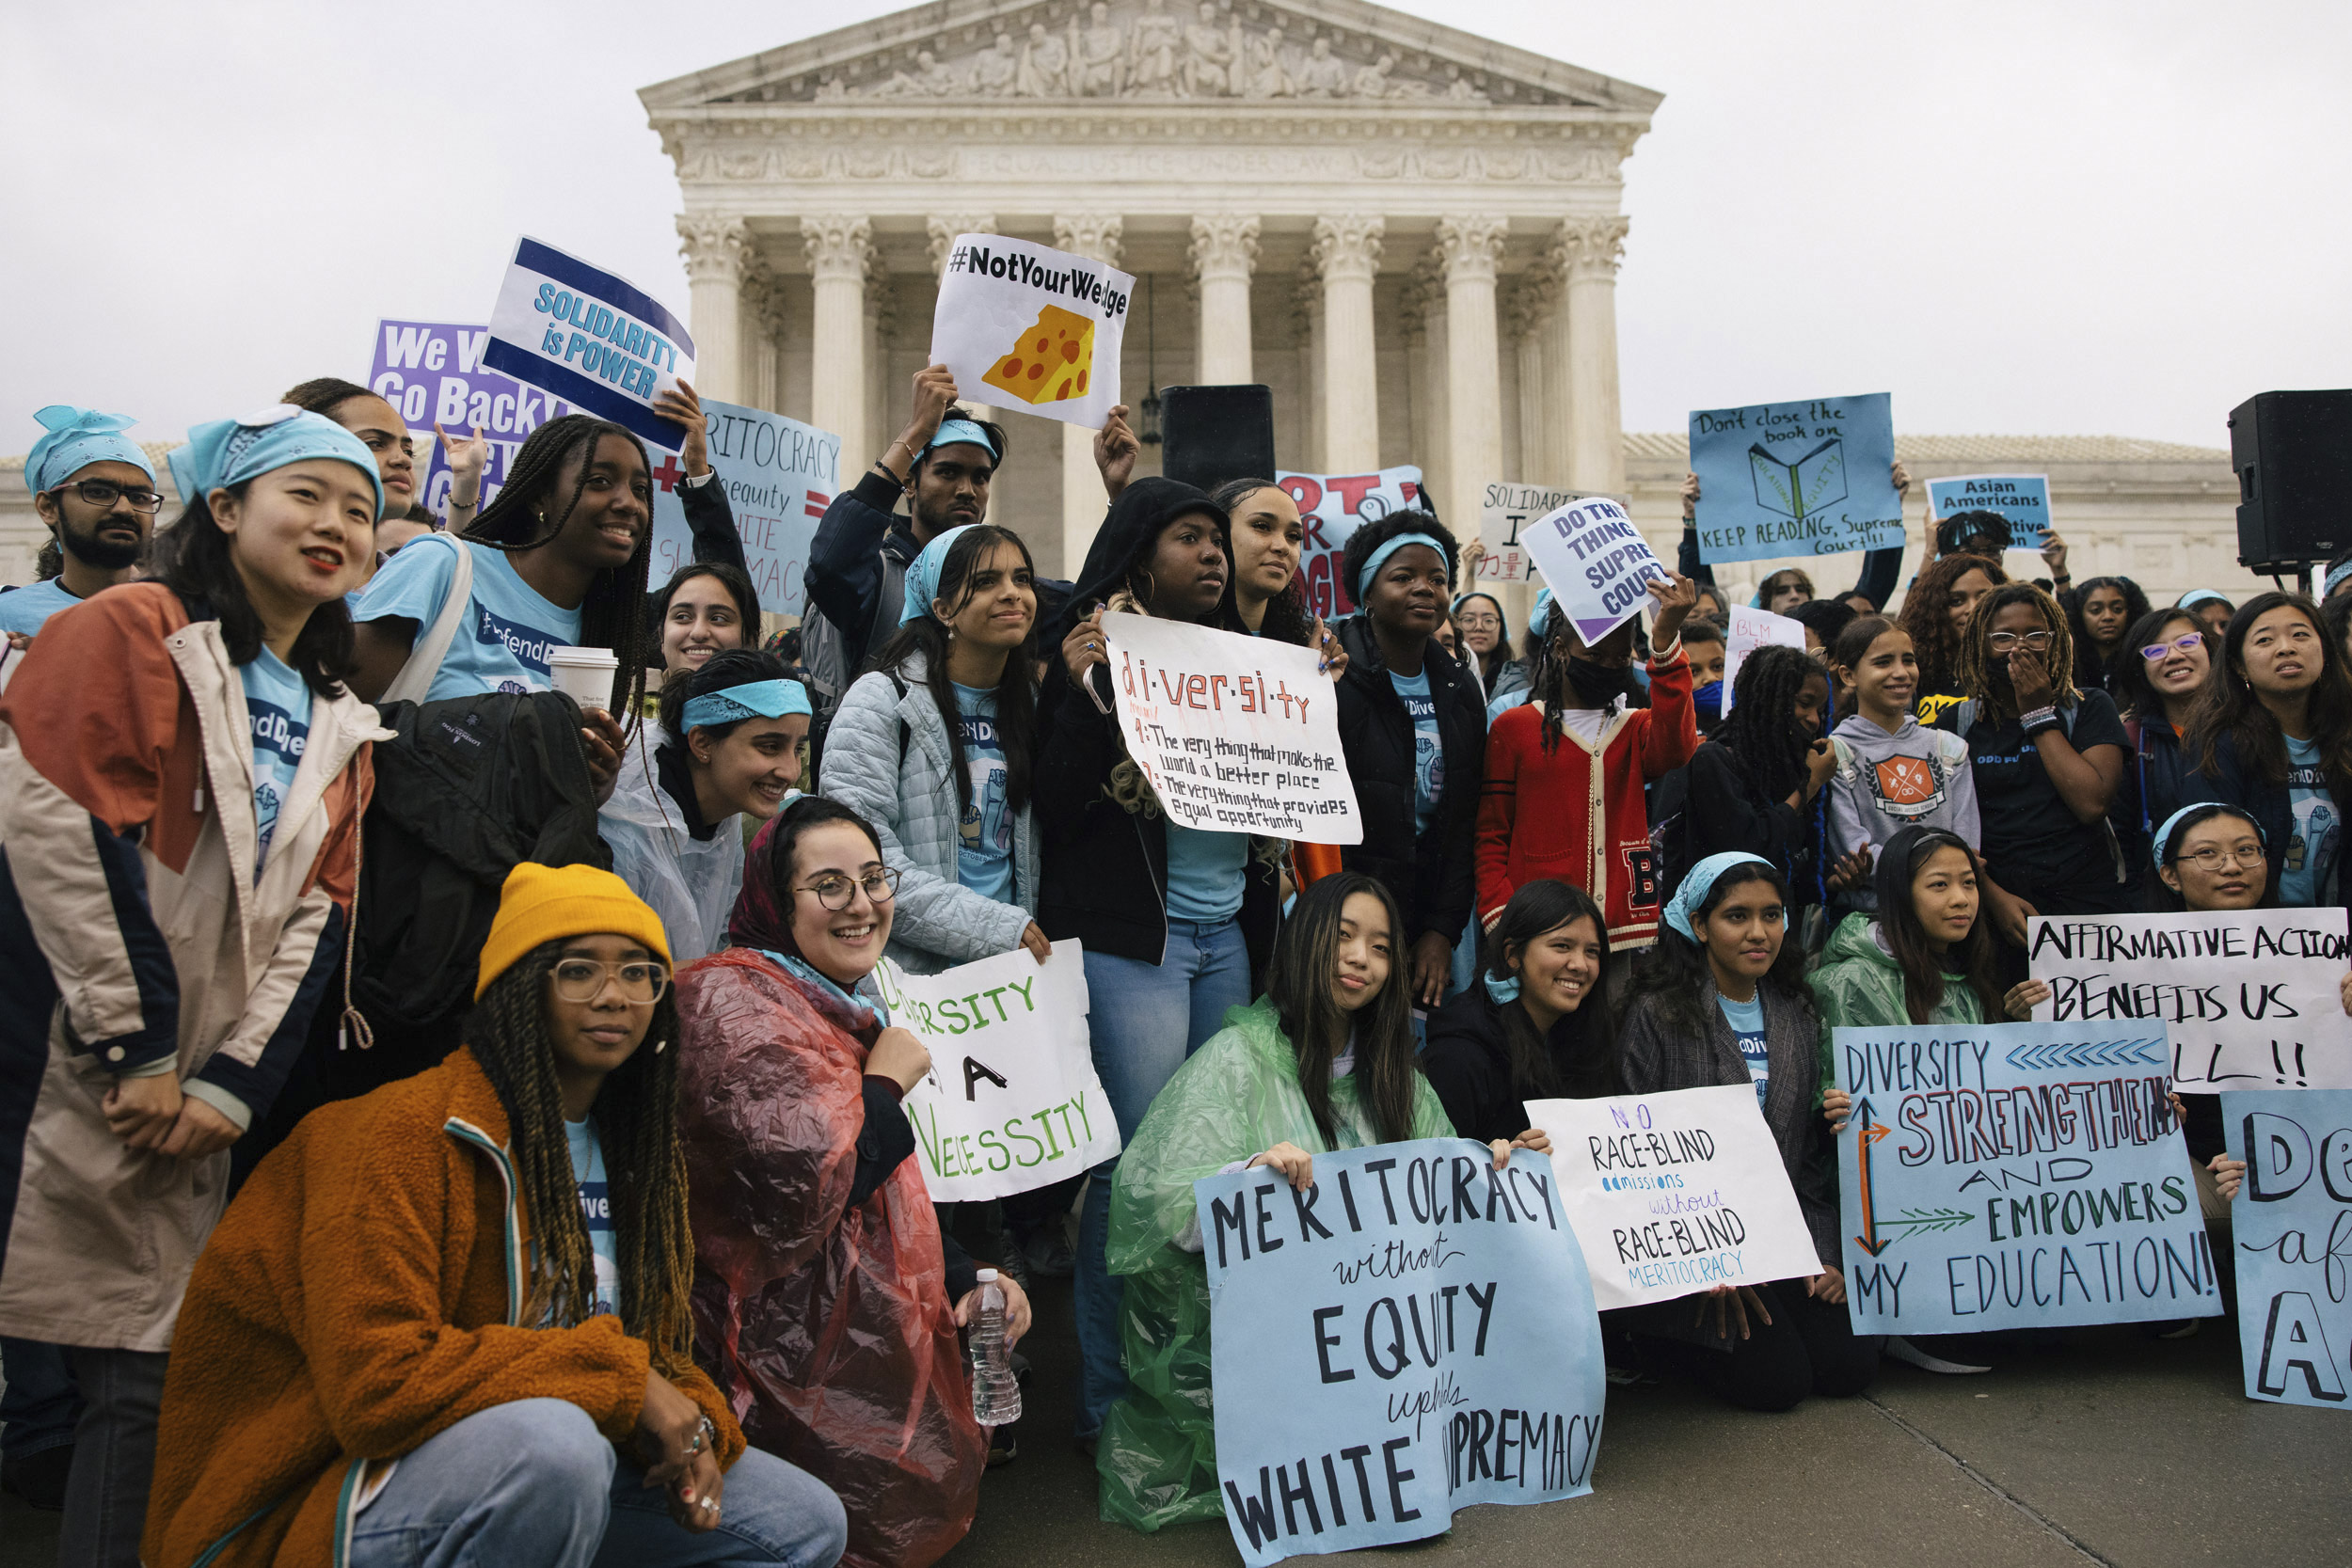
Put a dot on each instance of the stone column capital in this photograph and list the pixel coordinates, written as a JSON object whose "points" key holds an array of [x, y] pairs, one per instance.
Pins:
{"points": [[1527, 301], [1224, 246], [838, 246], [1468, 247], [1348, 247], [1094, 236], [943, 229], [1589, 249], [712, 243]]}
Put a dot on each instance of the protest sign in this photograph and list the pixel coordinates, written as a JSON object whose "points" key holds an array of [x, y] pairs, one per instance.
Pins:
{"points": [[431, 372], [1597, 562], [1413, 1334], [1808, 478], [2291, 1224], [1504, 513], [2015, 1175], [1013, 1101], [1330, 507], [1239, 734], [1029, 328], [596, 340], [2022, 499], [2247, 999], [1677, 1193], [779, 475], [1749, 631]]}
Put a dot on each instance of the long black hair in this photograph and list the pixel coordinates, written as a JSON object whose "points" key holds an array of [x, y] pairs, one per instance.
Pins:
{"points": [[1490, 664], [1766, 744], [2087, 646], [1973, 957], [1540, 905], [2231, 707], [191, 558], [1287, 617], [737, 581], [2135, 696], [1298, 983], [1673, 975]]}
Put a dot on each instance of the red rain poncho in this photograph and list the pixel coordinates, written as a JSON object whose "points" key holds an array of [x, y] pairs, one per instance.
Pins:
{"points": [[828, 1328]]}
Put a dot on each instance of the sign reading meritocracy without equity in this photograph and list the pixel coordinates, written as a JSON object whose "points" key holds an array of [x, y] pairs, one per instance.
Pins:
{"points": [[1029, 328], [1413, 1334], [1676, 1192], [1013, 1101], [1238, 733], [431, 372], [1504, 513], [2247, 999], [1330, 508], [2292, 1226], [1597, 563], [593, 339], [2022, 499], [1809, 477], [779, 474], [2015, 1175]]}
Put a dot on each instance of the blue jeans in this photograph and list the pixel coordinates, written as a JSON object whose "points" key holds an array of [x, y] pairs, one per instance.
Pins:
{"points": [[41, 1404], [533, 1484], [114, 1456], [1145, 1020]]}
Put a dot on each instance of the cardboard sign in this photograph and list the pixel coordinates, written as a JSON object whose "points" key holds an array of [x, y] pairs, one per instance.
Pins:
{"points": [[2015, 1175], [1598, 563], [1504, 513], [2022, 499], [1236, 734], [1677, 1193], [431, 372], [593, 339], [1013, 1101], [1331, 507], [780, 476], [1413, 1334], [2247, 999], [2291, 1224], [1809, 477], [1749, 631], [1032, 328]]}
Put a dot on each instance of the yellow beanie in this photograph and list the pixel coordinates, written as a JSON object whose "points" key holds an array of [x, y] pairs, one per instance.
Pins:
{"points": [[544, 903]]}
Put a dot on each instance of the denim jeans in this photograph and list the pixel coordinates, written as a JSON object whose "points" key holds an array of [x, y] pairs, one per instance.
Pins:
{"points": [[114, 1456], [40, 1403], [1145, 1020], [533, 1484]]}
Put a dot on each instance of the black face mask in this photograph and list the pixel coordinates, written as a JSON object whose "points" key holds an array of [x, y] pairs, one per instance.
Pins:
{"points": [[1597, 685]]}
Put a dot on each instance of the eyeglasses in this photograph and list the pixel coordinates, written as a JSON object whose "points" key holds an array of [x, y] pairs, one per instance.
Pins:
{"points": [[2210, 856], [643, 981], [835, 891], [2006, 641], [1482, 621], [103, 493], [2187, 643]]}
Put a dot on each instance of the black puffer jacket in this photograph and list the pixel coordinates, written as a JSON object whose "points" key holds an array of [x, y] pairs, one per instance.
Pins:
{"points": [[1431, 875], [1468, 1061]]}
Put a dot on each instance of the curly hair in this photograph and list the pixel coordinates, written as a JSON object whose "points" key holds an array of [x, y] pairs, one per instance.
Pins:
{"points": [[1927, 616], [1766, 744], [1979, 670], [1370, 536]]}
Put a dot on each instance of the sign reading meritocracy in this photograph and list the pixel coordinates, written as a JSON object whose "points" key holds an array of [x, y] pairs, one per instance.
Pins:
{"points": [[431, 372], [1238, 733], [1677, 1193], [2249, 999], [591, 337], [1505, 511], [1808, 478], [2292, 1226], [1029, 328], [1330, 508], [1410, 1334], [1013, 1101], [779, 474], [2015, 1175], [1597, 562], [2022, 499]]}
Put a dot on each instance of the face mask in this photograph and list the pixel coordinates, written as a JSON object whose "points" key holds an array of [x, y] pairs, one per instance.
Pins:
{"points": [[1595, 685], [1710, 695]]}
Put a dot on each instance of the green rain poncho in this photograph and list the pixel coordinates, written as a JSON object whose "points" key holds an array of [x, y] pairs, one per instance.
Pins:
{"points": [[1235, 1097], [1859, 986]]}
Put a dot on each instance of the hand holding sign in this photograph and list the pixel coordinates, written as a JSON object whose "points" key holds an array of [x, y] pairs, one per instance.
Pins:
{"points": [[1808, 478], [1599, 567], [1029, 328]]}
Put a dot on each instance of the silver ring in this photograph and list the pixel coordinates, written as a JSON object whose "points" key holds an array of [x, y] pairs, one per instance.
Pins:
{"points": [[709, 1507]]}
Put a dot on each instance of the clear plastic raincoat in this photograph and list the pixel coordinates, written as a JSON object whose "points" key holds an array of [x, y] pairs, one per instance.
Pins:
{"points": [[691, 886]]}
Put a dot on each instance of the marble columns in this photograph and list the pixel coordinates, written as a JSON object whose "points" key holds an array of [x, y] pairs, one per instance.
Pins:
{"points": [[1346, 252], [838, 248], [1468, 249], [712, 243], [1224, 254]]}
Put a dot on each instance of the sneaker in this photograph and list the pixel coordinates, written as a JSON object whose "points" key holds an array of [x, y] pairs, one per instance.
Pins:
{"points": [[2187, 1328], [1048, 1254], [1003, 1448], [1904, 1351], [38, 1477]]}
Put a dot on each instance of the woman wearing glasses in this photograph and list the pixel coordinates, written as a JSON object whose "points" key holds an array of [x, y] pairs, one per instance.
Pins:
{"points": [[818, 1298], [2157, 678], [95, 491]]}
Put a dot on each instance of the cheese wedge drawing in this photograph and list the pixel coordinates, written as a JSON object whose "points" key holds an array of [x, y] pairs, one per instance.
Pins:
{"points": [[1051, 362]]}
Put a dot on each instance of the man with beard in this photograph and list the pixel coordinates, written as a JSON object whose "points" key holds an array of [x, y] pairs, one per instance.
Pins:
{"points": [[94, 487]]}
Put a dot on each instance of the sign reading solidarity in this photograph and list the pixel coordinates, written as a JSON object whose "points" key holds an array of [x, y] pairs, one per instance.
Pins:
{"points": [[1029, 328], [1504, 514], [593, 339], [1677, 1193], [2015, 1175], [1330, 507], [2247, 999], [431, 372], [1013, 1101], [1413, 1334], [780, 475], [1597, 562], [1811, 477], [1238, 733], [2022, 499], [2292, 1221]]}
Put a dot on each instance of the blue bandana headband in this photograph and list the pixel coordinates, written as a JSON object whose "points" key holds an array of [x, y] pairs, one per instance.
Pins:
{"points": [[228, 452], [1502, 992], [2172, 825], [923, 575], [752, 700], [2196, 596], [1539, 619], [74, 439], [1461, 600], [1694, 891], [2337, 576], [954, 433], [1371, 568]]}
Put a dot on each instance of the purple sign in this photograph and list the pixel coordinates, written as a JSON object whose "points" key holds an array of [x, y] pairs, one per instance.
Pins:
{"points": [[431, 372]]}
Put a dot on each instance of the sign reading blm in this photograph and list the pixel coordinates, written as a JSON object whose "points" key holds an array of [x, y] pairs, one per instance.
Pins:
{"points": [[2292, 1221], [1811, 477]]}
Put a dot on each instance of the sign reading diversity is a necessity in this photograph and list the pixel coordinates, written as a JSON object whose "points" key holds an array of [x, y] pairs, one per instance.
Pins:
{"points": [[432, 374], [1810, 478], [1597, 562], [593, 338], [779, 474], [2292, 1223], [1032, 328], [1330, 509]]}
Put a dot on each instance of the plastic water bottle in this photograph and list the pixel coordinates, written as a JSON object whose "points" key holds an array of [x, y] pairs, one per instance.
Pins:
{"points": [[996, 1394]]}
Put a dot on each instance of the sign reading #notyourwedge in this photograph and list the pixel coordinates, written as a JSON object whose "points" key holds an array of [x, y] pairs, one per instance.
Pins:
{"points": [[1597, 562], [593, 339], [1031, 329], [1809, 477]]}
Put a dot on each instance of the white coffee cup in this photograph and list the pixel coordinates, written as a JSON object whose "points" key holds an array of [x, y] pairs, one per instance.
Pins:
{"points": [[583, 674]]}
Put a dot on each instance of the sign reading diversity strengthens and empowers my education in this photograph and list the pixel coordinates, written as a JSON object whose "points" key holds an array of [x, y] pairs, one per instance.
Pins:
{"points": [[2015, 1175], [593, 339], [2022, 499], [1330, 508], [431, 372], [780, 475], [2292, 1226], [1013, 1101], [1598, 565], [2247, 999], [1810, 478], [1239, 734], [1411, 1334], [1029, 328]]}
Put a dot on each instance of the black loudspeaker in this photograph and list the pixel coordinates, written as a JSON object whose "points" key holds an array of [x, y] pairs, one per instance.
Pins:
{"points": [[1214, 434], [2293, 453]]}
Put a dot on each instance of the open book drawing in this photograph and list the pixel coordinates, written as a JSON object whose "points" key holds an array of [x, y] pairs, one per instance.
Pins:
{"points": [[1803, 487]]}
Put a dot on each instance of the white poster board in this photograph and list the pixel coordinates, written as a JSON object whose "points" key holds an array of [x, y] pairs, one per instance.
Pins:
{"points": [[1597, 563], [1029, 328], [1749, 631], [591, 337], [1504, 511]]}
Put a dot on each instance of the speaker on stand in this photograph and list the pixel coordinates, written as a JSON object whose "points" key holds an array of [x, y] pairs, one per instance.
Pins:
{"points": [[2293, 455]]}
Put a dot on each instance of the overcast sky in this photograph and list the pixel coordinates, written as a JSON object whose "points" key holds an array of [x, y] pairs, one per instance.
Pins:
{"points": [[2018, 217]]}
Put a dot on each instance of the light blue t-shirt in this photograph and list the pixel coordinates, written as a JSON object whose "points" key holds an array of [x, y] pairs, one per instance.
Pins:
{"points": [[1205, 874], [1747, 1026], [984, 858], [24, 609], [1428, 746], [2315, 831], [596, 1208], [502, 646], [279, 707]]}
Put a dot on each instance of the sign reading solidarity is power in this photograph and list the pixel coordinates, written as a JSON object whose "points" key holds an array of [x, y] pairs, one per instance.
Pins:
{"points": [[432, 374], [595, 339], [1811, 477], [1029, 328], [1330, 508], [2292, 1221]]}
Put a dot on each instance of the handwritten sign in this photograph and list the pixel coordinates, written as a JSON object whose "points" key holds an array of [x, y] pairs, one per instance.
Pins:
{"points": [[2247, 999], [1238, 733], [1013, 1101], [1750, 629], [1598, 563], [1677, 1193], [2022, 499], [1029, 327], [1810, 478], [780, 476], [2291, 1224], [1331, 507], [431, 372], [593, 338], [2013, 1176], [1504, 511], [1413, 1334]]}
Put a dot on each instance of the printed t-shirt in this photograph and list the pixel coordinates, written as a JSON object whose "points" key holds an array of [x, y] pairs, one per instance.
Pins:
{"points": [[2315, 828], [1747, 1026], [280, 705], [502, 643], [2032, 837], [1205, 874], [24, 609], [984, 856], [596, 1208], [1428, 747]]}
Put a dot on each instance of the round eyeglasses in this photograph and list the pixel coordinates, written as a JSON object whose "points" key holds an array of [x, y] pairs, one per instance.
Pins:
{"points": [[642, 980], [835, 891]]}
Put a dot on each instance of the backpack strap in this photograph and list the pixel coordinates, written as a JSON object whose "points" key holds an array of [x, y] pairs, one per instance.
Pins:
{"points": [[905, 734], [425, 657]]}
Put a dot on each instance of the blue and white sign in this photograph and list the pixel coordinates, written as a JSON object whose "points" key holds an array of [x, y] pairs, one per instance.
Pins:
{"points": [[1413, 1334], [1810, 478], [780, 475], [2022, 499], [2292, 1223], [1597, 562], [432, 374], [592, 338]]}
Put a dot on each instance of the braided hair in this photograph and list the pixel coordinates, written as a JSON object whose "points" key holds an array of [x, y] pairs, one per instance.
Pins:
{"points": [[1766, 744], [636, 1118], [1927, 618], [1976, 668]]}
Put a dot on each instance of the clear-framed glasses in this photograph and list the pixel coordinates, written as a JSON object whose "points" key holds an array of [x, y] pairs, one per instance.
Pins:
{"points": [[835, 891], [103, 493], [2010, 641], [1480, 620], [2211, 857], [2187, 643], [642, 980]]}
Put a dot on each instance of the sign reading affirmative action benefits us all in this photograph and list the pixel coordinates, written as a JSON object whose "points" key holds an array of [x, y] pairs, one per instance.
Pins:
{"points": [[1810, 478], [2015, 1175], [1236, 734], [592, 338], [2291, 1224], [1413, 1334], [1029, 328]]}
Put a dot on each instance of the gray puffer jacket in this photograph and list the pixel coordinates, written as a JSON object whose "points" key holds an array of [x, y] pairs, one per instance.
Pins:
{"points": [[909, 794]]}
